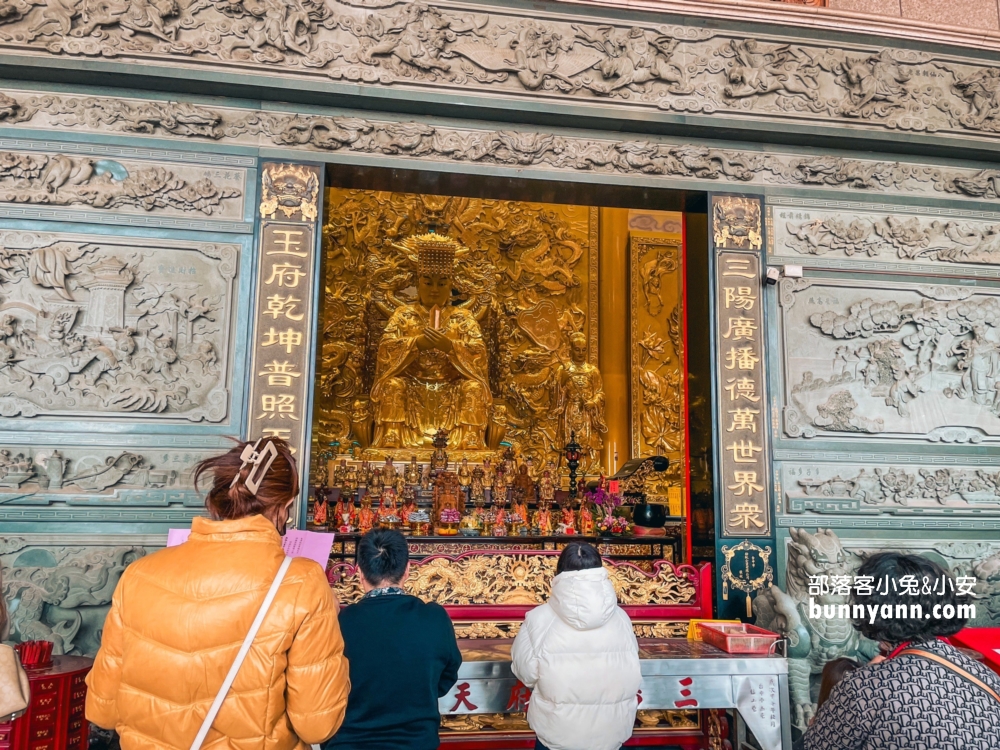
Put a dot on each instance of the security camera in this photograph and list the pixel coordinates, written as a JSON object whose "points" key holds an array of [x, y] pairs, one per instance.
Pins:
{"points": [[772, 276]]}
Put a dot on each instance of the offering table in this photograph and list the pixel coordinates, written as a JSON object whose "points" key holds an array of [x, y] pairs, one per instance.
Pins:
{"points": [[677, 674]]}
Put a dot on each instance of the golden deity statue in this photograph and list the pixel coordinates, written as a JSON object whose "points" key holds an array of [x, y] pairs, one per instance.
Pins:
{"points": [[581, 400], [431, 369]]}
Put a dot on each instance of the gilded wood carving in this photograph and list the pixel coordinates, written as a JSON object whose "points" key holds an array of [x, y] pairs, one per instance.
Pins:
{"points": [[516, 579], [656, 291], [528, 279]]}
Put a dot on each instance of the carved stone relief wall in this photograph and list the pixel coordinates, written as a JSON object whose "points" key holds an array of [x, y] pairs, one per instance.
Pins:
{"points": [[520, 148], [135, 476], [904, 239], [885, 488], [545, 54], [58, 588], [900, 359], [104, 326], [127, 186]]}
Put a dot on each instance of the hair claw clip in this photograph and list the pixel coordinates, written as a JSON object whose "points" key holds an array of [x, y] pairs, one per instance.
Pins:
{"points": [[261, 462]]}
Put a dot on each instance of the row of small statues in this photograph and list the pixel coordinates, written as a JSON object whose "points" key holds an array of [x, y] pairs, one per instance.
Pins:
{"points": [[505, 478], [494, 520]]}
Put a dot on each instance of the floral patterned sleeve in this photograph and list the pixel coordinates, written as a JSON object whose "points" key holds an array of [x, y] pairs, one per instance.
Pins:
{"points": [[843, 722]]}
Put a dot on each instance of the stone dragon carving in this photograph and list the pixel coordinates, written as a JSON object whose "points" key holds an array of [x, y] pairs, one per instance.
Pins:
{"points": [[661, 67], [515, 148]]}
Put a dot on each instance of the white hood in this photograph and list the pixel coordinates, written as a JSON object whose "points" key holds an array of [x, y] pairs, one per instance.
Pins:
{"points": [[583, 599]]}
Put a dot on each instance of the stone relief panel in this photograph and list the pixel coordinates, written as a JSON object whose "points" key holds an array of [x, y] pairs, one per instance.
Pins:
{"points": [[520, 148], [100, 327], [454, 46], [120, 185], [97, 476], [874, 489], [894, 359], [896, 240], [62, 592], [822, 552]]}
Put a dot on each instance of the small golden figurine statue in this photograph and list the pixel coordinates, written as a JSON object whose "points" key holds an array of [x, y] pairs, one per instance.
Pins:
{"points": [[366, 516], [464, 474], [547, 486], [524, 486], [425, 478], [388, 473], [580, 400], [439, 458], [543, 519], [518, 511], [587, 525], [477, 492], [432, 359], [339, 477], [499, 489], [412, 472], [350, 485], [400, 485], [375, 483]]}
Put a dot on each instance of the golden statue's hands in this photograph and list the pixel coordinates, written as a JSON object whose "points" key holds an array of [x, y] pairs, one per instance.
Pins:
{"points": [[438, 340], [423, 342]]}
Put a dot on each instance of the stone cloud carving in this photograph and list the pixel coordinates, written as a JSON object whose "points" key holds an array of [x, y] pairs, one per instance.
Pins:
{"points": [[905, 359], [66, 180], [453, 45], [512, 148], [94, 326]]}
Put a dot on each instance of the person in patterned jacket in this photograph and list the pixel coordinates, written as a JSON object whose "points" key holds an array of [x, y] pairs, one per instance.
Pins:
{"points": [[919, 693]]}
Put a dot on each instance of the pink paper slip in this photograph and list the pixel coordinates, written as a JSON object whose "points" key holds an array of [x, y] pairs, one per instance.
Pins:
{"points": [[314, 545]]}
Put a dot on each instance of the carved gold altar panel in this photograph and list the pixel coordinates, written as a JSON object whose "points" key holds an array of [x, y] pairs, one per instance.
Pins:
{"points": [[528, 278], [101, 326], [658, 367], [515, 579]]}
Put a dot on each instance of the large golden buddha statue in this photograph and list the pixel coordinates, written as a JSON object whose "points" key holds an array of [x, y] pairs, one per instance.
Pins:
{"points": [[431, 369]]}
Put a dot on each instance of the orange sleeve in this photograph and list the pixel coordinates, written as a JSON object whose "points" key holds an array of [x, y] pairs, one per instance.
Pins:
{"points": [[106, 674], [317, 678]]}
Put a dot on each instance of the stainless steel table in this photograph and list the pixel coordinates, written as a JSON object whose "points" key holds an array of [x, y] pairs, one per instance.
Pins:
{"points": [[676, 674]]}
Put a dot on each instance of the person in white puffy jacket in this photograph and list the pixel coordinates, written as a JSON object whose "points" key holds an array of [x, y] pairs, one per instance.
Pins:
{"points": [[579, 656]]}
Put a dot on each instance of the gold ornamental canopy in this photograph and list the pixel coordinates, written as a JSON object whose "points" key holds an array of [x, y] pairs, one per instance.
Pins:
{"points": [[432, 253]]}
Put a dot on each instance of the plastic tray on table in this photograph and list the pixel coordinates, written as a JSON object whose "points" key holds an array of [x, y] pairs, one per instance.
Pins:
{"points": [[739, 638]]}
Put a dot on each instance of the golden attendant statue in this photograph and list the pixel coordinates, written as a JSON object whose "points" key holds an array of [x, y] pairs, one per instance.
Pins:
{"points": [[581, 400], [431, 368]]}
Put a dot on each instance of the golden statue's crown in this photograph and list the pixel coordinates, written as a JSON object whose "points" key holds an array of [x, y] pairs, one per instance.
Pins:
{"points": [[434, 253]]}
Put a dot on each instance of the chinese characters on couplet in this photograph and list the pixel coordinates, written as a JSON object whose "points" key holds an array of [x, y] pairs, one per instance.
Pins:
{"points": [[282, 327], [741, 386]]}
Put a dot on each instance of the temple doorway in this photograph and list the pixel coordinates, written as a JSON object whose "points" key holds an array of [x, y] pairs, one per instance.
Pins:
{"points": [[541, 334]]}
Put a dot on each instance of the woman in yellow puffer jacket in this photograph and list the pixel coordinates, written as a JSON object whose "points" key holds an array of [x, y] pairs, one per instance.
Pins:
{"points": [[179, 617]]}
